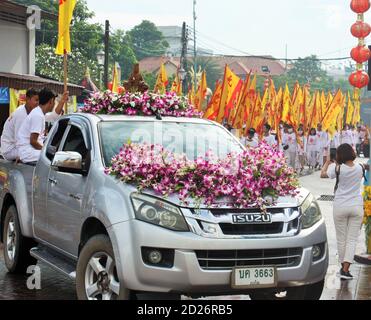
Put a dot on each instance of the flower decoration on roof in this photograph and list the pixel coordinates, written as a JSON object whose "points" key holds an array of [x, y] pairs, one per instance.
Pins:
{"points": [[140, 104]]}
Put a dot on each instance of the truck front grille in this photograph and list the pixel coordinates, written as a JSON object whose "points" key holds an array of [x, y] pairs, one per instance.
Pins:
{"points": [[251, 229], [229, 259]]}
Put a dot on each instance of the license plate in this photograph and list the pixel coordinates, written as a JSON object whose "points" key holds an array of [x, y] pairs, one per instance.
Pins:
{"points": [[254, 278]]}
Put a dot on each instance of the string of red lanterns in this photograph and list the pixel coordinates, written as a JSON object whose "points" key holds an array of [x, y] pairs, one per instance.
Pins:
{"points": [[360, 54]]}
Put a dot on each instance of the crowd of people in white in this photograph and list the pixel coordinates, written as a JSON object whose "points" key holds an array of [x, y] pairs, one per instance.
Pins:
{"points": [[309, 149]]}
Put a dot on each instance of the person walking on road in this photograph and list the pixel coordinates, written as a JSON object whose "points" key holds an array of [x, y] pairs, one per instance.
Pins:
{"points": [[348, 204]]}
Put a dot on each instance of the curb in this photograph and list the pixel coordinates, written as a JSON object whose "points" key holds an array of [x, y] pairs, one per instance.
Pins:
{"points": [[364, 259]]}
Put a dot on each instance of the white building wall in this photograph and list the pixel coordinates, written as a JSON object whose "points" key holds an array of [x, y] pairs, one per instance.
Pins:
{"points": [[15, 49]]}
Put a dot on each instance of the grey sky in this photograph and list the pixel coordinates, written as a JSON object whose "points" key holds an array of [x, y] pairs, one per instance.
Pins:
{"points": [[320, 27]]}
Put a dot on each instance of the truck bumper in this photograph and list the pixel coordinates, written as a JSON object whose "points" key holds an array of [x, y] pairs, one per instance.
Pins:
{"points": [[188, 277]]}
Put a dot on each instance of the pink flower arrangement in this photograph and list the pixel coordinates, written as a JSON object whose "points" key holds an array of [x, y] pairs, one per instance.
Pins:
{"points": [[246, 180], [140, 104]]}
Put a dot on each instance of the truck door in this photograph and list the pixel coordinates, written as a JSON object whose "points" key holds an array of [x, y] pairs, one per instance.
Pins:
{"points": [[40, 180], [66, 195]]}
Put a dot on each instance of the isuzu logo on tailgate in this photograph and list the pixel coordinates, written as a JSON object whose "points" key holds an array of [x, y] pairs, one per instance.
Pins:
{"points": [[255, 218]]}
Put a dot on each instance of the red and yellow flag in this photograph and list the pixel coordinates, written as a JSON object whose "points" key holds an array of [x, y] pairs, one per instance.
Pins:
{"points": [[162, 80], [213, 108], [176, 87], [66, 8], [230, 89]]}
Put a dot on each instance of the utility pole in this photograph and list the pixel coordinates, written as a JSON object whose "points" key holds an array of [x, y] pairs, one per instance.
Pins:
{"points": [[106, 55], [194, 45], [286, 59], [183, 58]]}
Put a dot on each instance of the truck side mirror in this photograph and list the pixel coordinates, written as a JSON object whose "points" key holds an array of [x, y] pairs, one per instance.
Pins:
{"points": [[70, 162]]}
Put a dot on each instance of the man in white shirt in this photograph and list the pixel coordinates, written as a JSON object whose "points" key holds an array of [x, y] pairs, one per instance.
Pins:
{"points": [[290, 145], [323, 145], [30, 138], [13, 124], [268, 138], [251, 141]]}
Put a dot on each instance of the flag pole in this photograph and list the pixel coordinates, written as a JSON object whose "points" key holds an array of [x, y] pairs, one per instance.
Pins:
{"points": [[65, 75]]}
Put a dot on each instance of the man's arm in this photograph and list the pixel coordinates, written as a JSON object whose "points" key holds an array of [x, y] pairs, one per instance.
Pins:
{"points": [[34, 141], [324, 174], [62, 102]]}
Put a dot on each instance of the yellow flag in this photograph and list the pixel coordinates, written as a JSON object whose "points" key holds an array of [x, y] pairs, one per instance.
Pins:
{"points": [[286, 105], [357, 107], [17, 98], [201, 92], [231, 87], [162, 80], [330, 119], [115, 80], [66, 8], [350, 112]]}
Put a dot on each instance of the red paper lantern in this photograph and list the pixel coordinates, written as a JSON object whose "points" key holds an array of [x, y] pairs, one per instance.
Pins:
{"points": [[360, 6], [360, 29], [360, 54], [359, 79]]}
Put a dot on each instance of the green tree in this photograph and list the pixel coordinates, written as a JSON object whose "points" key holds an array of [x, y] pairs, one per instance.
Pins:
{"points": [[50, 65], [308, 70], [122, 52], [147, 40]]}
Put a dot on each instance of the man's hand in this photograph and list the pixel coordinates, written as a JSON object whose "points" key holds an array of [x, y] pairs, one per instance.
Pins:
{"points": [[62, 102]]}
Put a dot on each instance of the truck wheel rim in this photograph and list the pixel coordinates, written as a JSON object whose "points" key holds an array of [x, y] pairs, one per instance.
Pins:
{"points": [[101, 280], [11, 239]]}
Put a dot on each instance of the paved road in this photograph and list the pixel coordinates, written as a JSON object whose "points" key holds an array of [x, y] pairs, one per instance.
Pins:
{"points": [[57, 287]]}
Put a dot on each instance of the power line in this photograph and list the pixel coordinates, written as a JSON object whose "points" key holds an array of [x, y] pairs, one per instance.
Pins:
{"points": [[270, 58]]}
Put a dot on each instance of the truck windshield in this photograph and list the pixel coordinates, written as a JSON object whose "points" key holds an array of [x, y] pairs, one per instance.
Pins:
{"points": [[191, 139]]}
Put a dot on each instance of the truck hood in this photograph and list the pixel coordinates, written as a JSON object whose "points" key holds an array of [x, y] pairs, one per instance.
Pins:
{"points": [[282, 202]]}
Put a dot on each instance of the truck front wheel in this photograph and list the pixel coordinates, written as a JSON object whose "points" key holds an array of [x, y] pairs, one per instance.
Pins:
{"points": [[96, 274], [308, 292], [16, 247]]}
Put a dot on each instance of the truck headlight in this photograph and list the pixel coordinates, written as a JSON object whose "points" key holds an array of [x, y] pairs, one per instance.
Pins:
{"points": [[158, 212], [311, 213]]}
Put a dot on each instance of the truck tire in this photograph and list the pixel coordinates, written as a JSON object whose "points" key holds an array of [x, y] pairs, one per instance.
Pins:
{"points": [[16, 247], [309, 292], [96, 275]]}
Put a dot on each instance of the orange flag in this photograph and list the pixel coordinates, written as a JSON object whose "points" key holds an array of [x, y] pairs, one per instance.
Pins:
{"points": [[201, 92], [230, 89], [286, 108], [162, 80], [66, 8]]}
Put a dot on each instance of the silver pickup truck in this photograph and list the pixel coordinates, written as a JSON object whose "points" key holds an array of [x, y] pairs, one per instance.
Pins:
{"points": [[117, 243]]}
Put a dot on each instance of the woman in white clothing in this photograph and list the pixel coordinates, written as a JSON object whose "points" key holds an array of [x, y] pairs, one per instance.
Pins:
{"points": [[348, 204], [312, 148]]}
